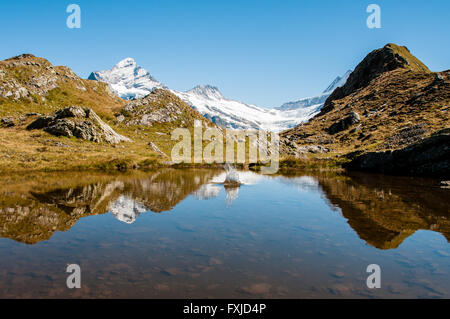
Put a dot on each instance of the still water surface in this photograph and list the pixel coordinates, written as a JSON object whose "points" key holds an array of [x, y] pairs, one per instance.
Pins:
{"points": [[182, 234]]}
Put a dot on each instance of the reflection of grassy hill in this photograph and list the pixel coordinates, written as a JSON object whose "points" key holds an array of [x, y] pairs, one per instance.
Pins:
{"points": [[30, 85], [34, 207], [163, 190], [385, 211]]}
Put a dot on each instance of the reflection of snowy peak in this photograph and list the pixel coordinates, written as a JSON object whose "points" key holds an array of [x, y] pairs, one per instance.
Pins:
{"points": [[127, 209], [232, 194], [303, 183], [128, 80], [207, 191]]}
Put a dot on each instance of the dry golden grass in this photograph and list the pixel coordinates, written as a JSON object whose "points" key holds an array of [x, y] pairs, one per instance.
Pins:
{"points": [[22, 150], [390, 103]]}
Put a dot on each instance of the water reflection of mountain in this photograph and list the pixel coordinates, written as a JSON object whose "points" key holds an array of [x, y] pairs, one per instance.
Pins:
{"points": [[126, 209], [382, 210], [32, 209], [385, 210]]}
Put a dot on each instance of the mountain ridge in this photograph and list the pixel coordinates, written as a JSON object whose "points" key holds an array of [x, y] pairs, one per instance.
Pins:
{"points": [[212, 104], [119, 79], [391, 101], [76, 124], [377, 62]]}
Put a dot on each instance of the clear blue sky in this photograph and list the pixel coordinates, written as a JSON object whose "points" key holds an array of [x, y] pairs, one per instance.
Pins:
{"points": [[257, 51]]}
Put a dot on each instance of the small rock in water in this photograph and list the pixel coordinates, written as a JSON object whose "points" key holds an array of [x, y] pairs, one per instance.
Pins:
{"points": [[257, 289], [232, 177], [445, 184], [214, 261], [442, 253], [338, 275]]}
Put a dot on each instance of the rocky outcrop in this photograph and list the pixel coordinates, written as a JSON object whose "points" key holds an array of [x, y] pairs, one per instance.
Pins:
{"points": [[289, 147], [429, 157], [38, 82], [407, 136], [391, 101], [342, 125], [78, 122], [160, 106], [380, 61], [156, 149], [7, 122]]}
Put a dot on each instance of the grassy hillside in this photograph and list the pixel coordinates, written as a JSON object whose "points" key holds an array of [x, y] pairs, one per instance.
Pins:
{"points": [[32, 86], [404, 104]]}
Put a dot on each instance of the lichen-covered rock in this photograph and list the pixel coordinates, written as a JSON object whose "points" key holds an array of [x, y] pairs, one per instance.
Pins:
{"points": [[40, 123], [78, 122], [342, 125], [156, 149], [315, 149], [289, 147], [7, 122], [71, 111], [160, 106], [61, 127]]}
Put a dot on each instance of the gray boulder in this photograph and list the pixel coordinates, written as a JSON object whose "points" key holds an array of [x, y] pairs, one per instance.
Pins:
{"points": [[40, 123], [315, 149], [80, 123], [351, 119], [156, 149], [7, 122]]}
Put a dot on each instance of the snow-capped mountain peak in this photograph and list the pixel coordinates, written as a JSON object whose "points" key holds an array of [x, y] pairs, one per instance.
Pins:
{"points": [[207, 91], [128, 80], [125, 63], [310, 106], [338, 82]]}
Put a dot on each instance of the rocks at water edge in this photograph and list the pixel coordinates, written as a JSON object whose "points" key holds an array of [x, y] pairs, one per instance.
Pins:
{"points": [[79, 122], [429, 157]]}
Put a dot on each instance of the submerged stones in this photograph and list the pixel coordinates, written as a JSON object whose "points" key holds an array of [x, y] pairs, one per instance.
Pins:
{"points": [[74, 121]]}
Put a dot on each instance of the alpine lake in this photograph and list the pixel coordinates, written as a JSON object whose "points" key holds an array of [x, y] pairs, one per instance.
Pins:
{"points": [[185, 234]]}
